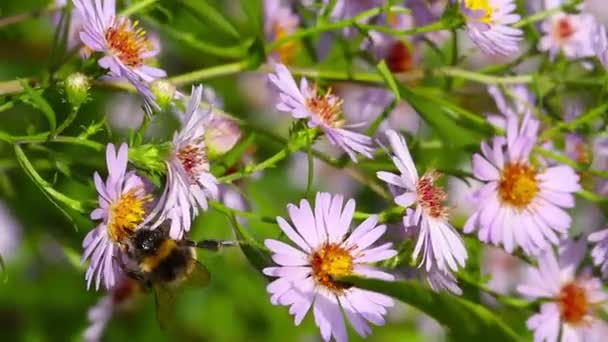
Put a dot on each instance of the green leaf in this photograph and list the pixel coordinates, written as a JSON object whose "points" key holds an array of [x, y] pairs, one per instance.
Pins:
{"points": [[53, 195], [35, 99], [388, 77], [257, 254], [465, 320], [211, 16], [3, 269]]}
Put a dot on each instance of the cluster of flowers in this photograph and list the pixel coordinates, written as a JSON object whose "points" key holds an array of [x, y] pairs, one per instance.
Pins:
{"points": [[520, 205]]}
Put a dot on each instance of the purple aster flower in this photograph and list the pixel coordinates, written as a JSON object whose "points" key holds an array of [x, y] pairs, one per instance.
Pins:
{"points": [[222, 134], [442, 280], [520, 204], [76, 24], [323, 111], [600, 43], [324, 250], [123, 204], [569, 33], [101, 313], [600, 250], [10, 239], [489, 25], [189, 181], [572, 301], [124, 44], [280, 21], [517, 102], [438, 242]]}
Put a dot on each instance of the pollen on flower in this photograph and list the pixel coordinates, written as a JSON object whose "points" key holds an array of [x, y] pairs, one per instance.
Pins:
{"points": [[562, 29], [193, 158], [431, 197], [573, 303], [518, 185], [126, 214], [327, 108], [331, 261], [483, 5], [127, 42]]}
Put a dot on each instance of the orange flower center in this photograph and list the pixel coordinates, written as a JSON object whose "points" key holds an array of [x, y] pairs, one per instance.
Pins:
{"points": [[127, 42], [327, 108], [573, 303], [430, 196], [563, 29], [126, 214], [331, 261], [518, 185], [399, 57], [286, 50], [193, 158]]}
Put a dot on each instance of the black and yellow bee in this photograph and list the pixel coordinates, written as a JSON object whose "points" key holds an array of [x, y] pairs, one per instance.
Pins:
{"points": [[163, 264]]}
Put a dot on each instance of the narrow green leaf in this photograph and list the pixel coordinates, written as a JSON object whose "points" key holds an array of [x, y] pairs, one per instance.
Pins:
{"points": [[465, 320], [211, 16], [53, 195], [3, 270], [390, 80], [36, 100], [257, 254]]}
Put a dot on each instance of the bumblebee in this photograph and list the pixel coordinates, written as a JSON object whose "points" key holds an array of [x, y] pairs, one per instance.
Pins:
{"points": [[164, 264]]}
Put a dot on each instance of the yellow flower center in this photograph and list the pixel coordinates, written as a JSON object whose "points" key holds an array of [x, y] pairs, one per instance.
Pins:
{"points": [[483, 5], [573, 303], [286, 50], [430, 196], [331, 261], [126, 214], [518, 185], [327, 107], [127, 42]]}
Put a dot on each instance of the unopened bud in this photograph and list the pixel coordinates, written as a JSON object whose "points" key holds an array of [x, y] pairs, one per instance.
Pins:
{"points": [[164, 92], [149, 157], [77, 87], [221, 135]]}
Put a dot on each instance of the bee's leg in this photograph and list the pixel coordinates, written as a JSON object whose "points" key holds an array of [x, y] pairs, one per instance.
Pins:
{"points": [[211, 245]]}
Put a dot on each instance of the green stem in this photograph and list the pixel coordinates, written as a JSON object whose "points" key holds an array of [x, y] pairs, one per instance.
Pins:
{"points": [[436, 26], [67, 122], [246, 214], [481, 78], [17, 18], [212, 72], [270, 162], [565, 160], [583, 119], [46, 137], [136, 7]]}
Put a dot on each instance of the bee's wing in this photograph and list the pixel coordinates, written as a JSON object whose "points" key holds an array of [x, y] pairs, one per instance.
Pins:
{"points": [[165, 304], [199, 275]]}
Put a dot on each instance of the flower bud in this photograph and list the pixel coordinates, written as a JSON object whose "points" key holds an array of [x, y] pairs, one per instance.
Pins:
{"points": [[164, 92], [77, 87], [149, 157], [221, 135]]}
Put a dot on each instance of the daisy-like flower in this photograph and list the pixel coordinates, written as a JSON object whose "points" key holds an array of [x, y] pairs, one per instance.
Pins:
{"points": [[569, 33], [279, 22], [438, 241], [520, 204], [518, 101], [123, 43], [573, 300], [600, 250], [599, 38], [123, 205], [321, 110], [189, 181], [489, 25], [325, 250]]}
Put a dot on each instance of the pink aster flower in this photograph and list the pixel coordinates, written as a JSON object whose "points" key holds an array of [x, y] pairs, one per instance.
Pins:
{"points": [[520, 204], [489, 25], [570, 34], [517, 102], [190, 183], [600, 250], [324, 250], [323, 111], [573, 301], [438, 242], [124, 44], [123, 206]]}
